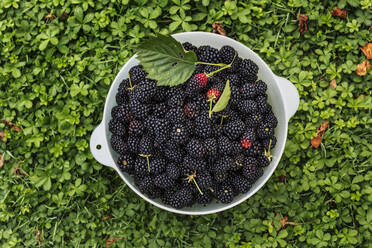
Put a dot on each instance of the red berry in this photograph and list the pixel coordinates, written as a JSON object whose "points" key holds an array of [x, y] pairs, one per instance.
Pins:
{"points": [[213, 94], [246, 143], [202, 79]]}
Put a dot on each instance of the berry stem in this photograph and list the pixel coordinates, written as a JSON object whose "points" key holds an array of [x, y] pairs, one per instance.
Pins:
{"points": [[201, 192], [205, 63], [147, 156], [210, 107], [131, 87], [268, 152], [222, 68]]}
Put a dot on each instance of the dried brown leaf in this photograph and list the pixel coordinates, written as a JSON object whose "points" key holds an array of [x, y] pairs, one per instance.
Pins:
{"points": [[49, 17], [316, 141], [112, 240], [38, 237], [18, 169], [282, 179], [285, 222], [367, 50], [218, 28], [1, 161], [333, 84], [337, 12], [302, 19], [322, 128], [362, 68], [10, 124], [106, 218]]}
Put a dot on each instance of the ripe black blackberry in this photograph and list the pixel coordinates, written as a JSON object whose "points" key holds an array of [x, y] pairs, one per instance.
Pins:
{"points": [[191, 110], [160, 94], [181, 198], [270, 119], [208, 54], [249, 70], [145, 185], [202, 103], [175, 101], [163, 181], [196, 148], [199, 68], [224, 193], [261, 87], [145, 146], [234, 79], [157, 165], [224, 145], [138, 109], [240, 183], [145, 90], [212, 147], [159, 110], [122, 98], [136, 127], [141, 167], [137, 74], [204, 180], [124, 85], [161, 129], [225, 163], [179, 134], [133, 142], [252, 172], [238, 162], [265, 131], [118, 144], [173, 155], [203, 126], [236, 97], [234, 129], [248, 90], [255, 149], [219, 175], [262, 160], [126, 163], [236, 147], [175, 115], [216, 76], [227, 54], [172, 170], [193, 87], [122, 113], [204, 198], [117, 127], [262, 105], [267, 141], [235, 67], [189, 47], [155, 192], [197, 164], [253, 120], [248, 106]]}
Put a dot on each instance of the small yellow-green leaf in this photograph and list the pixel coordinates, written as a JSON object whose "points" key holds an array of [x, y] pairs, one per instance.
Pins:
{"points": [[224, 99]]}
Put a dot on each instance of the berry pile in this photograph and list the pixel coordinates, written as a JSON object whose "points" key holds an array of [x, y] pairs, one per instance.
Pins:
{"points": [[175, 150]]}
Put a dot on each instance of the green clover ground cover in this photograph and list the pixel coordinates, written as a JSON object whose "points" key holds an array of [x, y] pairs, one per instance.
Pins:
{"points": [[58, 59]]}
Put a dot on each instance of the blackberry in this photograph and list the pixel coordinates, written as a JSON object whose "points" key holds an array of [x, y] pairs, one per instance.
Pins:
{"points": [[155, 192], [252, 172], [175, 101], [234, 129], [235, 67], [136, 128], [225, 163], [248, 91], [181, 198], [123, 86], [203, 126], [145, 90], [122, 98], [248, 137], [117, 127], [191, 110], [262, 160], [196, 148], [240, 183], [179, 134], [202, 103], [137, 74], [248, 106], [133, 142], [224, 145], [255, 149], [208, 54], [190, 127], [193, 87], [173, 154], [266, 142], [159, 110], [216, 76], [261, 87], [175, 115], [265, 131], [199, 68], [262, 104], [160, 94], [145, 146], [249, 70], [236, 97], [161, 129], [236, 147], [192, 163], [238, 162], [122, 113], [172, 171], [146, 184], [224, 193], [204, 198], [227, 54], [126, 163], [253, 120], [157, 165], [118, 144], [212, 147], [189, 47], [234, 79], [204, 180], [163, 181], [270, 120], [141, 167], [138, 109], [219, 175], [213, 94]]}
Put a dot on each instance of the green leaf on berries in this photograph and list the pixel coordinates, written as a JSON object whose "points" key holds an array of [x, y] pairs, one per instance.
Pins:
{"points": [[165, 60], [224, 99]]}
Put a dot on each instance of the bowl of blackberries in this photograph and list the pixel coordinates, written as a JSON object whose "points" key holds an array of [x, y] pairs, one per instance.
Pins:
{"points": [[195, 123]]}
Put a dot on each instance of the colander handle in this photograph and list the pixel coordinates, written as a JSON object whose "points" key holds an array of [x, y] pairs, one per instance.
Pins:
{"points": [[99, 146], [290, 96]]}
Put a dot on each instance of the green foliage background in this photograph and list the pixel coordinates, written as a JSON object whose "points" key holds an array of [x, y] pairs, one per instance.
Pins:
{"points": [[54, 77]]}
